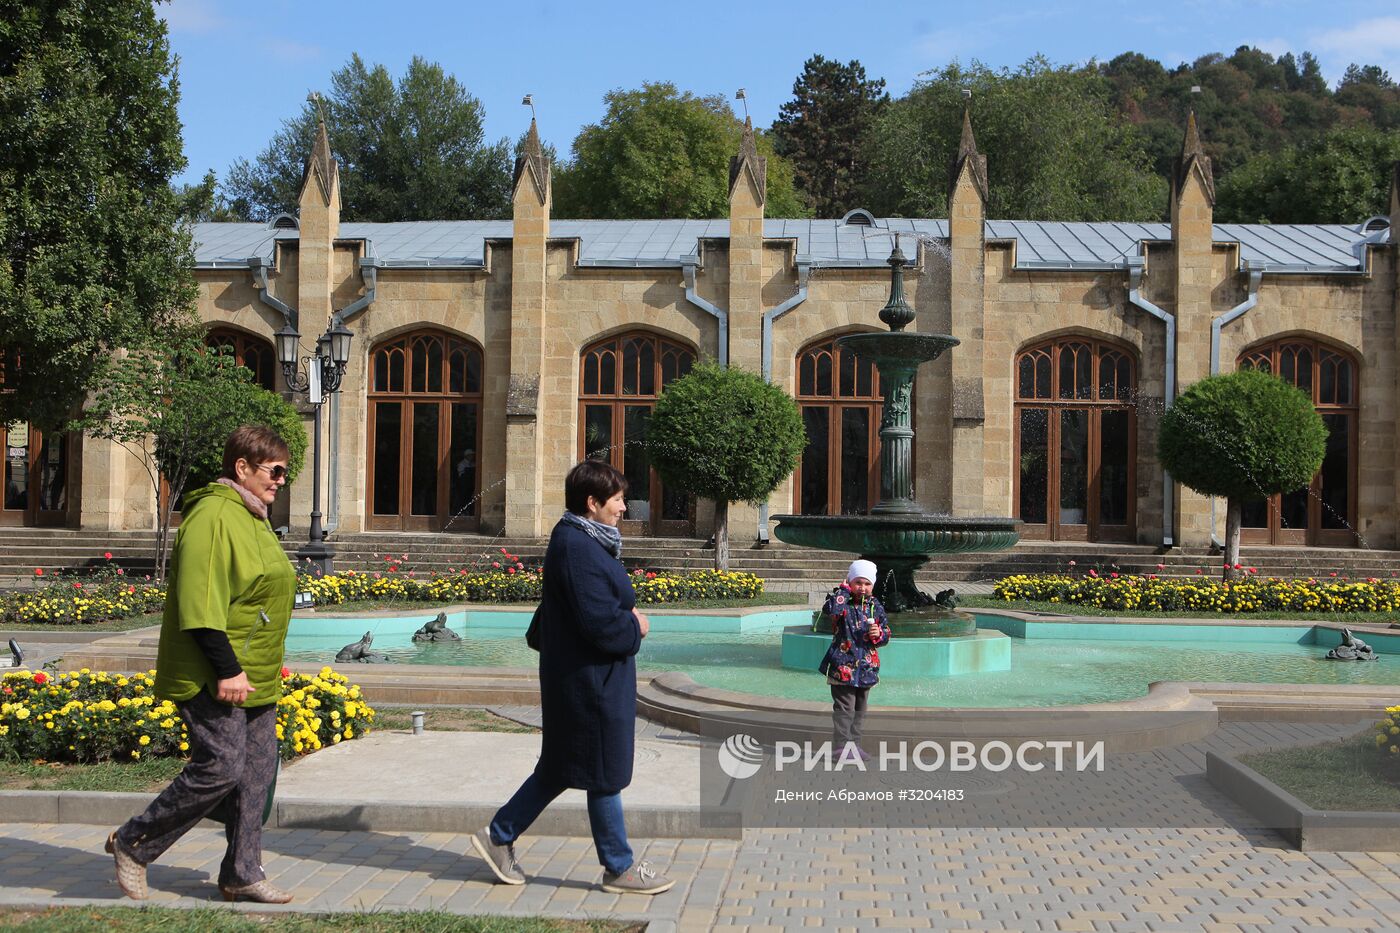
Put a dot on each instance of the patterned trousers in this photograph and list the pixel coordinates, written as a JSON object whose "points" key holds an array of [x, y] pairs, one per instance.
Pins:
{"points": [[232, 763]]}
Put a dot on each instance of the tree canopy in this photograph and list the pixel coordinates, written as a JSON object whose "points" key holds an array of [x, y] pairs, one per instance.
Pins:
{"points": [[823, 129], [173, 404], [1056, 147], [408, 150], [726, 435], [91, 257], [661, 153], [1342, 176], [1244, 436]]}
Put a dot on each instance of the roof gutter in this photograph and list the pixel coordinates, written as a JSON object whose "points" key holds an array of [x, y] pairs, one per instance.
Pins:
{"points": [[688, 266], [1256, 273], [1135, 266], [804, 272]]}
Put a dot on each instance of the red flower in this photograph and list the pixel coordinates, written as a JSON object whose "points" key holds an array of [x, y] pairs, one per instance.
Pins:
{"points": [[107, 555], [1332, 574], [1239, 566], [286, 672], [1114, 576], [1161, 566], [496, 564], [510, 570], [650, 575], [1093, 572], [77, 586], [7, 691], [1252, 569], [1198, 570], [121, 573], [393, 569], [131, 589], [40, 677], [38, 571]]}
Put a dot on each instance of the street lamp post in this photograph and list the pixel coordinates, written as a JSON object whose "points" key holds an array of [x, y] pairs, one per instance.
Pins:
{"points": [[320, 378]]}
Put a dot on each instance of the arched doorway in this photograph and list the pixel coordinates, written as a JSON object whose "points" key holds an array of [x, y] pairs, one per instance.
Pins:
{"points": [[839, 395], [620, 379], [41, 472], [1324, 513], [1076, 441], [424, 433]]}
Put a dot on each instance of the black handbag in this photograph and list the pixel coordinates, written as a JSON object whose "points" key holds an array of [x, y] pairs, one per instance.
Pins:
{"points": [[532, 634]]}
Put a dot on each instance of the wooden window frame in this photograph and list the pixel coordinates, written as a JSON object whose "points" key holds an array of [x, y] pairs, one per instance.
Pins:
{"points": [[1050, 353], [872, 400]]}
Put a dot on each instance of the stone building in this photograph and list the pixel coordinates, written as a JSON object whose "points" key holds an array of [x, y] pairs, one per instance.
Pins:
{"points": [[489, 356]]}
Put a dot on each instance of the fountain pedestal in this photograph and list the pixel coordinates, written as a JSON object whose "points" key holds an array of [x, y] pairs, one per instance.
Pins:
{"points": [[898, 535]]}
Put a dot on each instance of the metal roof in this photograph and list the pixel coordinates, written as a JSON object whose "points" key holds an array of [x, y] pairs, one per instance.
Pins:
{"points": [[652, 243]]}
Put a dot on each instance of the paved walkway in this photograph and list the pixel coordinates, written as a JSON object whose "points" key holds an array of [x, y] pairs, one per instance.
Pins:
{"points": [[1221, 878]]}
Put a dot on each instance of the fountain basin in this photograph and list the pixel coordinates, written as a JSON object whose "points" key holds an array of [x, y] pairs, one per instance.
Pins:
{"points": [[981, 652], [917, 534], [897, 346]]}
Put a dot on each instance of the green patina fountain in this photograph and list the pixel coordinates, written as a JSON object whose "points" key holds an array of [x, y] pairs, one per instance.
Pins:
{"points": [[898, 534]]}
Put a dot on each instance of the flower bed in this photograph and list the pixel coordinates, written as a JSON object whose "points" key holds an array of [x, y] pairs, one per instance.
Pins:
{"points": [[1246, 595], [86, 716], [105, 595], [511, 581]]}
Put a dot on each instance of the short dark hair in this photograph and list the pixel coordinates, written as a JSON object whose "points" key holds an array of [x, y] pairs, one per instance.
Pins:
{"points": [[593, 478], [255, 443]]}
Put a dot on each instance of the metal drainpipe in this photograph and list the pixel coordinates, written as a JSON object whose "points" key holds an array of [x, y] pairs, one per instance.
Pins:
{"points": [[1238, 311], [1134, 265], [688, 266], [369, 270], [259, 270], [804, 271]]}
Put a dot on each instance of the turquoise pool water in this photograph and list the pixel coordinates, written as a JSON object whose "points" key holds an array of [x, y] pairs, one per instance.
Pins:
{"points": [[1052, 664]]}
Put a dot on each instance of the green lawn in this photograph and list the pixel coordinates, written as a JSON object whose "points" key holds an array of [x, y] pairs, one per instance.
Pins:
{"points": [[213, 920], [1074, 609], [1343, 775], [151, 774]]}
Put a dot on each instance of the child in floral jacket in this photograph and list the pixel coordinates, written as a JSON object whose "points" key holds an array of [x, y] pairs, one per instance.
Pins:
{"points": [[851, 664]]}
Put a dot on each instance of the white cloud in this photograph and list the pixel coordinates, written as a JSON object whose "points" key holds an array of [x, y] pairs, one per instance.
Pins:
{"points": [[290, 50], [1275, 46], [192, 17], [1369, 42]]}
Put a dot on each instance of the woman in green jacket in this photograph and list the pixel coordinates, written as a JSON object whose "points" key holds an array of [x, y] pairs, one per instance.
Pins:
{"points": [[228, 604]]}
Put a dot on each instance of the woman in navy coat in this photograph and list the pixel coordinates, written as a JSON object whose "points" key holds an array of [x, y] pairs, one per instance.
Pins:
{"points": [[587, 630]]}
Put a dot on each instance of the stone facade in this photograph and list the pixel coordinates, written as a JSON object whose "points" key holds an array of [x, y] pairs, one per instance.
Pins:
{"points": [[534, 301]]}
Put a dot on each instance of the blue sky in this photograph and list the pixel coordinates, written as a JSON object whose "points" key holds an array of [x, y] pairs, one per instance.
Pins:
{"points": [[246, 66]]}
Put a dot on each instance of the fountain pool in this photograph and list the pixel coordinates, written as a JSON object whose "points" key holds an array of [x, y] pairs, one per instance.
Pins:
{"points": [[1054, 663]]}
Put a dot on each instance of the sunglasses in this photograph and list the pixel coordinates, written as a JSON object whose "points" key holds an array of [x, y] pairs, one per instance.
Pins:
{"points": [[275, 472]]}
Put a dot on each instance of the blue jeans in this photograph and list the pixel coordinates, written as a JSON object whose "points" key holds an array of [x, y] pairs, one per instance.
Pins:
{"points": [[604, 817]]}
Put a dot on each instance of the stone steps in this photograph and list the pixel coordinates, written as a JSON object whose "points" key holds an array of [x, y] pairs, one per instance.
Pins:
{"points": [[22, 550]]}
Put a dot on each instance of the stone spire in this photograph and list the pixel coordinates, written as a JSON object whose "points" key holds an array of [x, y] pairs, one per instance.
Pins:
{"points": [[1193, 158], [968, 157], [535, 162], [321, 165], [757, 165]]}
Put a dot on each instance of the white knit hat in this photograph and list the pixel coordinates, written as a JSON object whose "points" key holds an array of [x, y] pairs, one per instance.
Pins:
{"points": [[864, 569]]}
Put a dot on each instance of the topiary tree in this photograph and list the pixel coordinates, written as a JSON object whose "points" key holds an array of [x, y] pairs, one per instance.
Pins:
{"points": [[1244, 436], [726, 435]]}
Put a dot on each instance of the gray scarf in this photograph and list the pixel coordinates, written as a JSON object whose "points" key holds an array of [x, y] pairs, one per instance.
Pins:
{"points": [[606, 535]]}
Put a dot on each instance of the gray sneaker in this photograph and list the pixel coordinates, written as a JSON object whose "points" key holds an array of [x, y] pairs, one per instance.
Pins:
{"points": [[500, 858], [641, 878]]}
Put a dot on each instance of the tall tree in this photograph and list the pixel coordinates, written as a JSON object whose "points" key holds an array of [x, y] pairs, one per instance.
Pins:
{"points": [[823, 130], [411, 150], [173, 404], [1340, 177], [658, 152], [1057, 148], [91, 257]]}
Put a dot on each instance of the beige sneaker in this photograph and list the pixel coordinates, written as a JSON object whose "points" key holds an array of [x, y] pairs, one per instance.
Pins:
{"points": [[259, 892], [500, 858], [131, 874], [641, 878]]}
